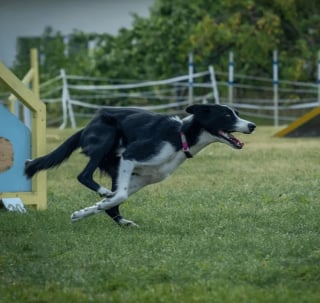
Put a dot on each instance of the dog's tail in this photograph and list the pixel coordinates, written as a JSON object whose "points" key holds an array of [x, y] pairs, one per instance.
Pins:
{"points": [[54, 158]]}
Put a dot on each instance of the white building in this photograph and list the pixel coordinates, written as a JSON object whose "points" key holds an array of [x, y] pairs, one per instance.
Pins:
{"points": [[29, 19]]}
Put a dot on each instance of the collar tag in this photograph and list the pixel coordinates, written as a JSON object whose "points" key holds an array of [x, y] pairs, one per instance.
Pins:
{"points": [[185, 146]]}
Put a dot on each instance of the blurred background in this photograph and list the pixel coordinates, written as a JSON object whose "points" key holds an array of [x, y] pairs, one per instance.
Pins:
{"points": [[252, 45]]}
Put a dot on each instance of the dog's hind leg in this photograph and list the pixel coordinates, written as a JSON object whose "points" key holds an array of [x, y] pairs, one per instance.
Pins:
{"points": [[86, 178], [97, 142], [114, 213]]}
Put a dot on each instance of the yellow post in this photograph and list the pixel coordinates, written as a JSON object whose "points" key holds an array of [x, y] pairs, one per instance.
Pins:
{"points": [[39, 182], [35, 69]]}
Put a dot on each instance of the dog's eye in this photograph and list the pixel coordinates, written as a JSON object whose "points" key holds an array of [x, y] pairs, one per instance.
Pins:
{"points": [[227, 115]]}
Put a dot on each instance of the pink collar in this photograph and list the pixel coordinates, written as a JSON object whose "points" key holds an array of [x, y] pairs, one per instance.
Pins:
{"points": [[185, 146]]}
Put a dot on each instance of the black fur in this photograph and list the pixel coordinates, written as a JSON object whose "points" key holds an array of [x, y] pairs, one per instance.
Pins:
{"points": [[62, 153]]}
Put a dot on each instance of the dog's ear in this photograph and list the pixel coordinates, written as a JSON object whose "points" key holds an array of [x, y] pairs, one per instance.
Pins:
{"points": [[197, 108]]}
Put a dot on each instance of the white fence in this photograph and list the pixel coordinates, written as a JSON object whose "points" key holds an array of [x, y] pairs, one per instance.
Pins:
{"points": [[263, 98]]}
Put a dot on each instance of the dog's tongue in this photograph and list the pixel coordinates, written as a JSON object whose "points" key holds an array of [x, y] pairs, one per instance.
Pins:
{"points": [[235, 141], [231, 138]]}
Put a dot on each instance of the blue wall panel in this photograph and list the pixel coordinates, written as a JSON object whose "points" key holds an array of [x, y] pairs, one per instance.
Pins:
{"points": [[11, 128]]}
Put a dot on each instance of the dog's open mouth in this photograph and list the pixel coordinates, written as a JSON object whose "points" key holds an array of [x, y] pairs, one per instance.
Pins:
{"points": [[231, 139]]}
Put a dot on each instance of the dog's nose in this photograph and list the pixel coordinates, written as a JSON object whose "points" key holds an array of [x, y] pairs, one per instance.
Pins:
{"points": [[251, 127]]}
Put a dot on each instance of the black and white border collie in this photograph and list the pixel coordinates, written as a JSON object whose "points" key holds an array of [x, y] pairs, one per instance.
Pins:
{"points": [[136, 148]]}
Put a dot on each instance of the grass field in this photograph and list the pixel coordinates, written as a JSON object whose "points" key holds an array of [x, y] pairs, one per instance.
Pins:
{"points": [[228, 226]]}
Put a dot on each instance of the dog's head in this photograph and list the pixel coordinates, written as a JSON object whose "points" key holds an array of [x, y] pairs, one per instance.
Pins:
{"points": [[220, 121]]}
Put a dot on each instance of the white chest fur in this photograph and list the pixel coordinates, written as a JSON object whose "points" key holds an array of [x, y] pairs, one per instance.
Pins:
{"points": [[168, 160], [160, 166]]}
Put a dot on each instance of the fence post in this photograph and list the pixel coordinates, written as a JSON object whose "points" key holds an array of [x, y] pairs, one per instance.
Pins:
{"points": [[71, 113], [190, 69], [66, 105], [214, 84], [275, 89], [64, 98], [231, 77]]}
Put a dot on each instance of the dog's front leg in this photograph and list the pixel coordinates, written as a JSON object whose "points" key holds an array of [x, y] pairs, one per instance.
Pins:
{"points": [[126, 168], [86, 212], [136, 182]]}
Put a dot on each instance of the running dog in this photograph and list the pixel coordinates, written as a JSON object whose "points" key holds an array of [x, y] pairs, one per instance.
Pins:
{"points": [[136, 148]]}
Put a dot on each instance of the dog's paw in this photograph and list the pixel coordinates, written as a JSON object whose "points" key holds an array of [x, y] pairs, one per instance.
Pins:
{"points": [[76, 216], [125, 222], [83, 213], [104, 192]]}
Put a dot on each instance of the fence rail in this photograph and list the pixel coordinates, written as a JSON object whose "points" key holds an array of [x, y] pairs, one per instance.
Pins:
{"points": [[280, 101]]}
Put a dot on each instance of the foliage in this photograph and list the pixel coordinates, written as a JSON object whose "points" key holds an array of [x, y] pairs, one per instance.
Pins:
{"points": [[55, 53], [228, 226], [158, 46]]}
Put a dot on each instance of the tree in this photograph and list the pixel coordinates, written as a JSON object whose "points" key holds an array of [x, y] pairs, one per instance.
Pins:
{"points": [[56, 52], [158, 46]]}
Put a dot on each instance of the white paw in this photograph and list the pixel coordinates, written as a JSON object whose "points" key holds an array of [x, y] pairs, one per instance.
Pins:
{"points": [[83, 213], [76, 216], [125, 222], [102, 191]]}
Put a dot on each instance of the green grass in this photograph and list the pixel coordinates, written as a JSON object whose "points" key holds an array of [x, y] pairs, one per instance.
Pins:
{"points": [[228, 226]]}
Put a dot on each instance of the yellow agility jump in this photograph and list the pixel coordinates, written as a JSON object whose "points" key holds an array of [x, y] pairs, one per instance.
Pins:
{"points": [[306, 126]]}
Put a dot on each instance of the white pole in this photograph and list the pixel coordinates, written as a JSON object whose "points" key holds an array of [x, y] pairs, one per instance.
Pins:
{"points": [[65, 96], [231, 77], [318, 82], [71, 113], [275, 88], [214, 85], [66, 105], [66, 41], [190, 68]]}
